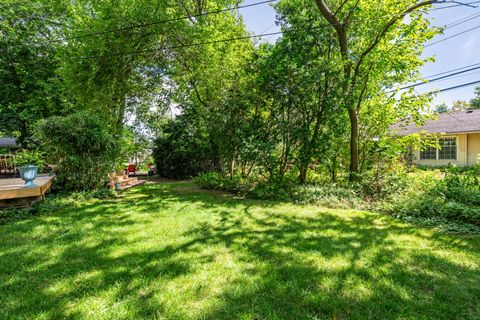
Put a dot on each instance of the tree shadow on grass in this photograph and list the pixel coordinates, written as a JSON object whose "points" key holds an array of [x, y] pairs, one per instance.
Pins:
{"points": [[310, 264]]}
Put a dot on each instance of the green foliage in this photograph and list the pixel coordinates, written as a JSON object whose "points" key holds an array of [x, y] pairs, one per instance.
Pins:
{"points": [[218, 181], [26, 157], [82, 147], [461, 185], [475, 102], [184, 150], [437, 194], [449, 195], [30, 89]]}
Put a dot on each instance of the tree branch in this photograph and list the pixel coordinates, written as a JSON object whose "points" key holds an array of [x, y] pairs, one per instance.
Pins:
{"points": [[387, 26]]}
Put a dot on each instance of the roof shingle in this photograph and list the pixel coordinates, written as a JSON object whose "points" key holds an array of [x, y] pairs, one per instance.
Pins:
{"points": [[451, 122]]}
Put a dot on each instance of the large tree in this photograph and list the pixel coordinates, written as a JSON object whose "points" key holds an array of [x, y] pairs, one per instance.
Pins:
{"points": [[30, 88], [299, 77], [378, 46]]}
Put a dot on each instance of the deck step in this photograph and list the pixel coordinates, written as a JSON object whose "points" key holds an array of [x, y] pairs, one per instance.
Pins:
{"points": [[136, 183]]}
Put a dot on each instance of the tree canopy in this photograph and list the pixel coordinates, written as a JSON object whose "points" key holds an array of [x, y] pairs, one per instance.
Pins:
{"points": [[168, 71]]}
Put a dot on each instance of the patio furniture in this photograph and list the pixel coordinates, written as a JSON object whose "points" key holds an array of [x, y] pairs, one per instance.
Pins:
{"points": [[6, 167], [131, 169]]}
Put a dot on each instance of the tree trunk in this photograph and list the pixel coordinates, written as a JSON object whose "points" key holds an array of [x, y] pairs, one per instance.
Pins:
{"points": [[303, 174], [354, 161], [333, 169]]}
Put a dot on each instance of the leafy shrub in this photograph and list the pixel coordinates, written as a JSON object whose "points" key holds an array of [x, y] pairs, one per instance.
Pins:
{"points": [[29, 157], [218, 181], [435, 194], [450, 194], [461, 185], [330, 195], [82, 147], [183, 151]]}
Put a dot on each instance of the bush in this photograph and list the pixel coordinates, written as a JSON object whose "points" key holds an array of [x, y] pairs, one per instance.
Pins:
{"points": [[450, 194], [447, 193], [184, 151], [329, 195], [82, 147], [461, 185]]}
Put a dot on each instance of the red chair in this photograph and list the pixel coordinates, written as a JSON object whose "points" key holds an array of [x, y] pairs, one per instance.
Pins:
{"points": [[132, 169]]}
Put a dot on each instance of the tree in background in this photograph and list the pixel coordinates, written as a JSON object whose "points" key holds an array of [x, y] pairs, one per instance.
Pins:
{"points": [[442, 108], [376, 48], [30, 88], [475, 102], [460, 105]]}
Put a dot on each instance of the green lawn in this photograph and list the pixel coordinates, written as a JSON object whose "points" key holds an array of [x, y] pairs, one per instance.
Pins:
{"points": [[170, 251]]}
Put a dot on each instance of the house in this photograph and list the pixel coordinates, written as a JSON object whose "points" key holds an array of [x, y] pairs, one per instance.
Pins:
{"points": [[456, 133], [8, 144]]}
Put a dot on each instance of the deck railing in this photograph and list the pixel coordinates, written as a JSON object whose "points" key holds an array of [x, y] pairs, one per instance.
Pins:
{"points": [[6, 166]]}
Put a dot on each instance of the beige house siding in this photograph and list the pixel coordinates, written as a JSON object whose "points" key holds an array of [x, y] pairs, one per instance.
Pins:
{"points": [[473, 148], [462, 153]]}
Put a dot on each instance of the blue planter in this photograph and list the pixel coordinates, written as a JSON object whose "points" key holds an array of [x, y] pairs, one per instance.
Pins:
{"points": [[28, 174]]}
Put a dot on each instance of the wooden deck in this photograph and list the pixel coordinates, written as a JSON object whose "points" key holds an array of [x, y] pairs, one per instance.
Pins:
{"points": [[13, 193]]}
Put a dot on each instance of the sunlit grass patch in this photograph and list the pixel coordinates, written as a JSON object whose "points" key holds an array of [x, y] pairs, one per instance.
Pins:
{"points": [[171, 251]]}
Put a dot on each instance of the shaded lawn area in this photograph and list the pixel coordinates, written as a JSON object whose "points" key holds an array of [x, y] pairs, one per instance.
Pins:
{"points": [[170, 251]]}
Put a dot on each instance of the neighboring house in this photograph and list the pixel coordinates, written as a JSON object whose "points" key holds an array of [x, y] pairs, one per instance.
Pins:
{"points": [[9, 144], [457, 134]]}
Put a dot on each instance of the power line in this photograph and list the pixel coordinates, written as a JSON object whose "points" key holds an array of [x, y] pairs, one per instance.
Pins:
{"points": [[459, 86], [439, 78], [468, 4], [210, 42], [143, 25], [445, 89], [452, 36], [206, 42], [132, 27], [193, 44], [452, 70], [463, 20]]}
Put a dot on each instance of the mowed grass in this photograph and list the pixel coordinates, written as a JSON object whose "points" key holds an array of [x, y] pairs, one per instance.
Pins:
{"points": [[171, 251]]}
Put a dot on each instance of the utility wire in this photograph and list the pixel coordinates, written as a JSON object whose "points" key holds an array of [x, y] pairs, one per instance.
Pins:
{"points": [[206, 42], [143, 51], [468, 4], [132, 27], [143, 25], [439, 78], [463, 20], [452, 36], [452, 70], [459, 86]]}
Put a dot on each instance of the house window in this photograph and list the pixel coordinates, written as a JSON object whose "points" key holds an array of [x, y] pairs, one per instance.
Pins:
{"points": [[448, 148], [429, 153]]}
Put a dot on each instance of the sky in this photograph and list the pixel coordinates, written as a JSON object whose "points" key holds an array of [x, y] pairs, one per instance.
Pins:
{"points": [[450, 54]]}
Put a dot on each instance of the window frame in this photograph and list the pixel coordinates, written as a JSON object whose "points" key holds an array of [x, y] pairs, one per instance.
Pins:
{"points": [[437, 149], [456, 148], [428, 147]]}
